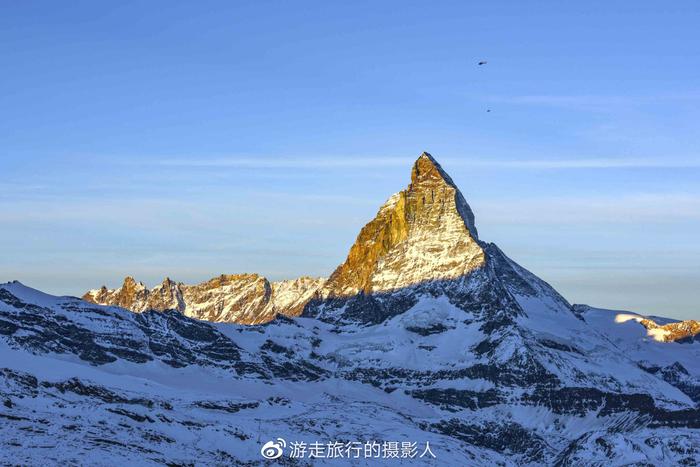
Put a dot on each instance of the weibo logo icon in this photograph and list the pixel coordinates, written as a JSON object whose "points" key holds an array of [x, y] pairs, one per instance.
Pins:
{"points": [[273, 449]]}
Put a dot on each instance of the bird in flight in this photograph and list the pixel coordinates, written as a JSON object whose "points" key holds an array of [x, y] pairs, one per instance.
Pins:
{"points": [[484, 62]]}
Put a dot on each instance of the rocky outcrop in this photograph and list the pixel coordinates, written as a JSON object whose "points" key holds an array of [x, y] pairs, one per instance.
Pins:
{"points": [[680, 331], [289, 297], [240, 298], [135, 296]]}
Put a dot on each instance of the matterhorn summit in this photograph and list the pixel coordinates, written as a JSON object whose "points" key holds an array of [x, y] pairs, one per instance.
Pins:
{"points": [[424, 241], [423, 233]]}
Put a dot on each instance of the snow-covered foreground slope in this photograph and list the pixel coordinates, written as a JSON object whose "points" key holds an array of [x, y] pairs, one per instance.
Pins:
{"points": [[89, 384]]}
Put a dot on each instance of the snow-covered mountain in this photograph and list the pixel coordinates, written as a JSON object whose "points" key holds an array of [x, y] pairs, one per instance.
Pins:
{"points": [[425, 334]]}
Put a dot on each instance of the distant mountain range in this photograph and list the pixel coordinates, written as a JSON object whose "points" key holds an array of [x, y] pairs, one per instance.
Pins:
{"points": [[425, 334]]}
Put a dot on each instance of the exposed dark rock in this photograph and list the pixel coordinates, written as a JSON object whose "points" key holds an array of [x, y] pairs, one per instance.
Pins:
{"points": [[455, 399], [436, 328], [230, 407], [504, 438]]}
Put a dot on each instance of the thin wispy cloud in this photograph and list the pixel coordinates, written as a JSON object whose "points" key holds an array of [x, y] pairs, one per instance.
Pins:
{"points": [[595, 102], [592, 163], [287, 162], [651, 208], [349, 163]]}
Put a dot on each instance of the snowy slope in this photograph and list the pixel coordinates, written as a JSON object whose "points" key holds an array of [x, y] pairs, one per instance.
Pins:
{"points": [[415, 377]]}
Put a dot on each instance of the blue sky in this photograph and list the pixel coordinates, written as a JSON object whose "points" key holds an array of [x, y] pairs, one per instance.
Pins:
{"points": [[189, 139]]}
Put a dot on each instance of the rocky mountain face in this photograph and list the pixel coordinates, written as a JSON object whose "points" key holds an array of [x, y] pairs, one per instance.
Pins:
{"points": [[424, 334], [240, 298]]}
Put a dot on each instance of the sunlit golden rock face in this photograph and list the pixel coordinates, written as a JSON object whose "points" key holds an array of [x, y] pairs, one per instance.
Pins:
{"points": [[423, 233], [129, 293], [672, 332], [238, 298]]}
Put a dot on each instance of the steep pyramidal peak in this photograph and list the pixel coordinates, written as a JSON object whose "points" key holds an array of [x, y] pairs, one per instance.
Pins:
{"points": [[425, 232], [424, 242]]}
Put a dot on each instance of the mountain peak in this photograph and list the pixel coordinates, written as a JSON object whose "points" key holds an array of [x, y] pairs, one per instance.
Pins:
{"points": [[129, 281], [427, 166], [427, 175], [423, 233], [425, 155]]}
